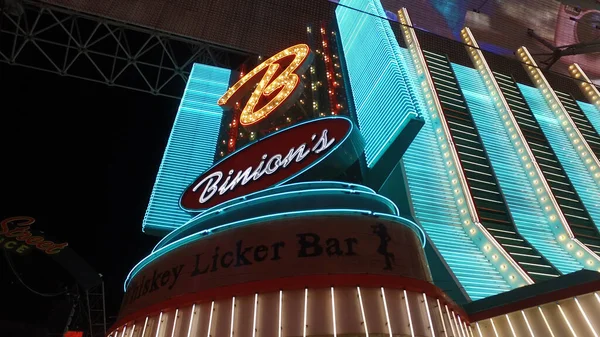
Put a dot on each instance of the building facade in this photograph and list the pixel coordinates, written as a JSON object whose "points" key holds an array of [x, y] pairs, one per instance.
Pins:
{"points": [[360, 184]]}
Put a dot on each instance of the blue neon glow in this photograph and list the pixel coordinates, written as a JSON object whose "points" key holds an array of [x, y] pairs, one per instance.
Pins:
{"points": [[525, 208], [382, 97], [592, 114], [246, 222], [191, 147], [435, 209], [582, 181], [268, 193]]}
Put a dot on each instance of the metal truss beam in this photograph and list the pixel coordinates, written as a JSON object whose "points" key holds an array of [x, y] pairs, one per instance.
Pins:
{"points": [[83, 46]]}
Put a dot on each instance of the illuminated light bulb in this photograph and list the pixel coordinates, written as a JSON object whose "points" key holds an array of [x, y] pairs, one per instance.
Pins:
{"points": [[503, 267], [512, 277], [553, 217], [472, 231], [579, 253], [540, 190], [454, 181], [543, 199], [463, 211], [562, 237], [467, 222], [535, 182], [487, 247], [495, 257], [531, 174], [528, 165], [590, 262]]}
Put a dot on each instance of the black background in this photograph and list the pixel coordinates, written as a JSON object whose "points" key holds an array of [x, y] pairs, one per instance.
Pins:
{"points": [[80, 158]]}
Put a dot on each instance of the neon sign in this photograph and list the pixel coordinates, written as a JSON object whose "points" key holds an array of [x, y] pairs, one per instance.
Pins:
{"points": [[280, 157], [279, 76], [23, 238]]}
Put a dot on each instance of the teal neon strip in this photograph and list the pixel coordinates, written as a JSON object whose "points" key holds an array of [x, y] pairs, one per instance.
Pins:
{"points": [[435, 209], [576, 170], [592, 114], [246, 222], [527, 212], [191, 146], [204, 219], [383, 99]]}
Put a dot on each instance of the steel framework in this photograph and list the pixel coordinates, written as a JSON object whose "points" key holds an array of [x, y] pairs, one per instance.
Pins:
{"points": [[69, 43]]}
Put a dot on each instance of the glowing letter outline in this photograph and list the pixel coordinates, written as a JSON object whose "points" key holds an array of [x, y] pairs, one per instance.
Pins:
{"points": [[287, 83]]}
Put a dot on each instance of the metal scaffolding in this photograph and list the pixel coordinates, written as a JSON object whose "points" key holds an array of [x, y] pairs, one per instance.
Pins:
{"points": [[69, 43]]}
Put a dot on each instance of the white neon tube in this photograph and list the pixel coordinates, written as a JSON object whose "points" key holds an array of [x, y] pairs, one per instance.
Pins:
{"points": [[158, 326], [546, 321], [210, 317], [175, 322], [585, 317], [305, 309], [145, 325], [412, 331], [232, 316], [191, 320], [442, 317], [362, 311], [333, 312], [280, 302], [428, 315], [387, 315], [527, 323]]}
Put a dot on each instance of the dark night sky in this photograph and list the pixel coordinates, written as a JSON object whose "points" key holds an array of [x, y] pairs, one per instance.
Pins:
{"points": [[81, 158]]}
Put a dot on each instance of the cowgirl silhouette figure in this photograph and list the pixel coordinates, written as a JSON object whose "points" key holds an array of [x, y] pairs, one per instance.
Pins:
{"points": [[384, 238]]}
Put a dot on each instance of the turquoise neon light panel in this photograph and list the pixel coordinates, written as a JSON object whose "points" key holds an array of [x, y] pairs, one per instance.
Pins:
{"points": [[526, 211], [382, 97], [592, 114], [582, 181], [435, 209], [191, 147]]}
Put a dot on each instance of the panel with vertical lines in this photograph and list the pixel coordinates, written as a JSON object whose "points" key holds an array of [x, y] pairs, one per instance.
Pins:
{"points": [[591, 113], [190, 149], [576, 170], [435, 209], [527, 212], [332, 311], [581, 121], [487, 196], [575, 212], [382, 96]]}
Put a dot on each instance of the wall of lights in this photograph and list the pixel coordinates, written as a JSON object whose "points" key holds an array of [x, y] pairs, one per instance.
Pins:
{"points": [[190, 149], [592, 113], [495, 259], [574, 316], [566, 123], [569, 159], [540, 220], [312, 311], [383, 98]]}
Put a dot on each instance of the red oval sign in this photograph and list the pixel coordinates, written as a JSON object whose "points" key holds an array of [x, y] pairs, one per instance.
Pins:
{"points": [[273, 160]]}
